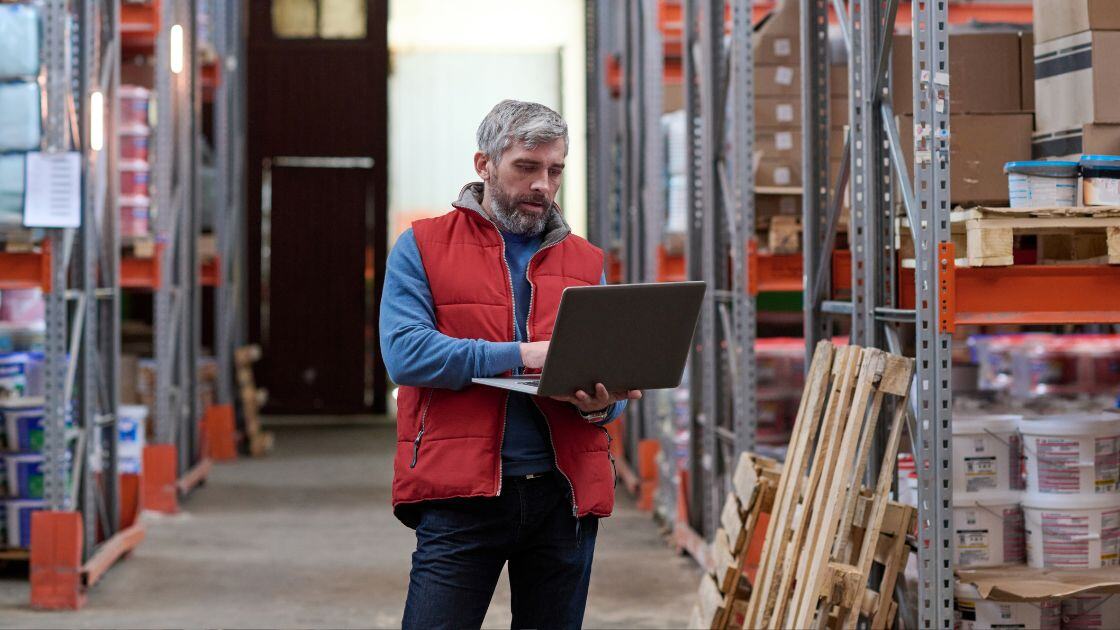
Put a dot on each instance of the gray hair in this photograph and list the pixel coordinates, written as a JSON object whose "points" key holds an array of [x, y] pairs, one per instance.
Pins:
{"points": [[531, 124]]}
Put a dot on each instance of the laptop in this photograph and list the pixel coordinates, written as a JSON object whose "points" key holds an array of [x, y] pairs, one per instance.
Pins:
{"points": [[625, 336]]}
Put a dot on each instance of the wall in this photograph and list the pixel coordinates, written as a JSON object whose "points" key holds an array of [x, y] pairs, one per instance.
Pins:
{"points": [[512, 27]]}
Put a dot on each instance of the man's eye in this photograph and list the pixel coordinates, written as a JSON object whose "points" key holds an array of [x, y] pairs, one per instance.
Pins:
{"points": [[555, 172]]}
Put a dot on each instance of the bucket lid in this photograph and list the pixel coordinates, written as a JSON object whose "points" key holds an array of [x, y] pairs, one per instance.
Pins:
{"points": [[1106, 162], [139, 412], [990, 499], [1102, 423], [970, 424], [1066, 502], [14, 357], [966, 590], [1042, 168], [13, 404]]}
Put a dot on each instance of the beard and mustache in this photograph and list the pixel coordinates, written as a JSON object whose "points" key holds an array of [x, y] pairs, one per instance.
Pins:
{"points": [[509, 216]]}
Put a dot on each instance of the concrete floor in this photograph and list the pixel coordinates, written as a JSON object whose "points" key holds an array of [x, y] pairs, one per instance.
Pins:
{"points": [[305, 538]]}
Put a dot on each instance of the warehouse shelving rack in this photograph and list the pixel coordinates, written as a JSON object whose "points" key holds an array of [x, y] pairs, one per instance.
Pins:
{"points": [[90, 520], [626, 54]]}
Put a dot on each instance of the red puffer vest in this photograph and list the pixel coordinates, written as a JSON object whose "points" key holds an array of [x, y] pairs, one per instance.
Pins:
{"points": [[449, 443]]}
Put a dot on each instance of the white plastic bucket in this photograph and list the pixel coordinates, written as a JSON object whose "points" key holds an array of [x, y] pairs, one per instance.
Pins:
{"points": [[13, 374], [987, 529], [1041, 183], [975, 613], [986, 453], [131, 427], [1074, 454], [1091, 611], [1065, 532]]}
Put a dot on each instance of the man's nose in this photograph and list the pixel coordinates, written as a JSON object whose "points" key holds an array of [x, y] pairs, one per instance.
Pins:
{"points": [[540, 182]]}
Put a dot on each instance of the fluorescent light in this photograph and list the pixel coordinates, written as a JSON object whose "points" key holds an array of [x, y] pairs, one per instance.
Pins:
{"points": [[176, 49], [96, 121]]}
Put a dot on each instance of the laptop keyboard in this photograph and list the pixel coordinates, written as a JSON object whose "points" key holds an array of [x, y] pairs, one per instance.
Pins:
{"points": [[536, 382]]}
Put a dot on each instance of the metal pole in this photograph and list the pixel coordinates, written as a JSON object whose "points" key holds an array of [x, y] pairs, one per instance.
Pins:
{"points": [[814, 160]]}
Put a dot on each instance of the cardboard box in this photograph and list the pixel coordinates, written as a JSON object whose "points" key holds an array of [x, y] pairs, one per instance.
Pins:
{"points": [[1077, 80], [777, 111], [1070, 144], [785, 80], [672, 97], [777, 40], [774, 172], [785, 142], [129, 373], [767, 207], [1026, 70], [985, 70], [979, 147], [1058, 18]]}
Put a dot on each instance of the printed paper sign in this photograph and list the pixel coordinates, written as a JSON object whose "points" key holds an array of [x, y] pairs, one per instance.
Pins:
{"points": [[53, 185]]}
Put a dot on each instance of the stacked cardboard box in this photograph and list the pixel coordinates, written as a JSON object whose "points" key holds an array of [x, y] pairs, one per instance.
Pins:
{"points": [[1077, 79], [777, 87], [990, 106]]}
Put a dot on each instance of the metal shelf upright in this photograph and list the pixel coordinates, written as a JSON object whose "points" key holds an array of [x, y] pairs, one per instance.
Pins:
{"points": [[875, 163], [719, 102], [91, 509]]}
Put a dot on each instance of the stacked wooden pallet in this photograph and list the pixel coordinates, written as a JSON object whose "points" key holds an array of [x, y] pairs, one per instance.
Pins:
{"points": [[817, 558], [824, 530], [989, 237], [252, 399]]}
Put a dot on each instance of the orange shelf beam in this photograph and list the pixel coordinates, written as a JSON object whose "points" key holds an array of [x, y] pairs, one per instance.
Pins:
{"points": [[139, 26], [1025, 294], [26, 270]]}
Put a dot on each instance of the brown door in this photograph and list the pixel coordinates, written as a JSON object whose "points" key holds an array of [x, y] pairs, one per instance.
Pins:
{"points": [[317, 200]]}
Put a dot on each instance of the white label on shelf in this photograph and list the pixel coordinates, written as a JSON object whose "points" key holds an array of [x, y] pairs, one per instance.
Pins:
{"points": [[784, 112], [783, 75], [53, 190], [783, 140], [782, 47], [941, 78]]}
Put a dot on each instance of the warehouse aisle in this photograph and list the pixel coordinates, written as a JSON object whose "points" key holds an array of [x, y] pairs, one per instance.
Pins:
{"points": [[305, 538]]}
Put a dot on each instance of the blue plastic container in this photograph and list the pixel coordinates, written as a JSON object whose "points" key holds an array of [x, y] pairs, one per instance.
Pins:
{"points": [[18, 516], [1041, 184], [23, 423], [1101, 180]]}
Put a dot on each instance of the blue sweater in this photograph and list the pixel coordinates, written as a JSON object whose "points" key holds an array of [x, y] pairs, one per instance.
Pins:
{"points": [[417, 354]]}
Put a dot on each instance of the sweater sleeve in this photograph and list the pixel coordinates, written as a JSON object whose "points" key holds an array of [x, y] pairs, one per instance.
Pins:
{"points": [[416, 353]]}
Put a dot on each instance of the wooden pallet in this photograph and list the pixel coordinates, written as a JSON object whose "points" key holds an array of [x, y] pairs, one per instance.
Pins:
{"points": [[252, 399], [987, 237], [138, 247], [825, 529]]}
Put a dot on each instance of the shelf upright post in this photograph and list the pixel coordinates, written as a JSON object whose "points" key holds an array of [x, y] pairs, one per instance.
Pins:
{"points": [[56, 471], [934, 387], [815, 123], [740, 216], [167, 206], [228, 194], [191, 330], [652, 156]]}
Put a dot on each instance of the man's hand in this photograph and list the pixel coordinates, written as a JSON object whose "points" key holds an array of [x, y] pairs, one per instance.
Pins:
{"points": [[533, 354], [601, 400]]}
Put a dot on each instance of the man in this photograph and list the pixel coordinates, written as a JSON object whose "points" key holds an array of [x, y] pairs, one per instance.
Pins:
{"points": [[487, 476]]}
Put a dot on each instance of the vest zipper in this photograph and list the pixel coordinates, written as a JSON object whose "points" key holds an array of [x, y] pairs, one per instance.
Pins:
{"points": [[610, 456], [529, 335], [420, 434], [513, 334]]}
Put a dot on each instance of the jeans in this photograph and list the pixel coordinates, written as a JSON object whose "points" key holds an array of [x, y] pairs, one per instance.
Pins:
{"points": [[462, 544]]}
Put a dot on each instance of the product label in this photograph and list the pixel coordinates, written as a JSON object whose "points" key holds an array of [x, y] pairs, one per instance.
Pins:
{"points": [[980, 473], [972, 546], [1057, 465], [1015, 461], [1065, 540], [783, 112], [1107, 464], [1086, 612], [783, 75], [1110, 538], [782, 47], [783, 141], [1014, 539], [13, 380], [782, 176]]}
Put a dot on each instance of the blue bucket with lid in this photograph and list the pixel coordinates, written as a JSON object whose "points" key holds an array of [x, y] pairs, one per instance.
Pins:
{"points": [[1101, 179], [1041, 183]]}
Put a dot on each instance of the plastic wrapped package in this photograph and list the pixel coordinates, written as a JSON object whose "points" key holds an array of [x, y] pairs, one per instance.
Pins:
{"points": [[22, 306], [20, 124], [19, 41], [11, 190]]}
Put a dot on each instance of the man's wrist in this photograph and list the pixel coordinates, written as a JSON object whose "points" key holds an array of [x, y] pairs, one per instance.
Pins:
{"points": [[599, 414]]}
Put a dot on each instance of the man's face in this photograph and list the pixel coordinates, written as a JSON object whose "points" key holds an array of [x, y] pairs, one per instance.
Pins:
{"points": [[521, 188]]}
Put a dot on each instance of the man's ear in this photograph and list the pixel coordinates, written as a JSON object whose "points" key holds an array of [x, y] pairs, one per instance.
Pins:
{"points": [[481, 161]]}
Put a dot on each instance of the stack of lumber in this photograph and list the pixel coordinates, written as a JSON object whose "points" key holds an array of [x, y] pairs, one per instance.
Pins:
{"points": [[824, 530], [252, 399]]}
